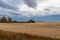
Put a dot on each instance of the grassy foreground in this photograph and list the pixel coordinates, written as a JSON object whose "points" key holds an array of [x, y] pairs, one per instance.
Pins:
{"points": [[5, 35]]}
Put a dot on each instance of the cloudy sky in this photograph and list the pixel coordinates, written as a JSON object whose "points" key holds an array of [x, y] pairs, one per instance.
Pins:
{"points": [[30, 7]]}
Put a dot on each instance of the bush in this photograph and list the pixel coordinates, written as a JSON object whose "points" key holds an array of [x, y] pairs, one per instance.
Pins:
{"points": [[31, 21]]}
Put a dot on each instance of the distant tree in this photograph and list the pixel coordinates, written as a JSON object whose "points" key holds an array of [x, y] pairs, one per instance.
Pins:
{"points": [[9, 19], [14, 21], [31, 21], [3, 19], [0, 19]]}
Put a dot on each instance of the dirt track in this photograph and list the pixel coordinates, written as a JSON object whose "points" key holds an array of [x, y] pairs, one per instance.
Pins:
{"points": [[40, 29]]}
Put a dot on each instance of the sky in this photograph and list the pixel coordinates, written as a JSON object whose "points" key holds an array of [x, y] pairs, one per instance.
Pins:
{"points": [[30, 8]]}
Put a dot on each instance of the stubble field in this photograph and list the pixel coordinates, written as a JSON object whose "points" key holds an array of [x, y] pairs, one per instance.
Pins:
{"points": [[45, 29]]}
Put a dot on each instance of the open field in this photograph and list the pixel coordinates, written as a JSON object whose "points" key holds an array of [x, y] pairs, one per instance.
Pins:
{"points": [[6, 35], [44, 29]]}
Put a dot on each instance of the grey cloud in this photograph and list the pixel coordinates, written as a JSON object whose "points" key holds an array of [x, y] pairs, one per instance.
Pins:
{"points": [[47, 9], [14, 13], [14, 2], [4, 5], [30, 3]]}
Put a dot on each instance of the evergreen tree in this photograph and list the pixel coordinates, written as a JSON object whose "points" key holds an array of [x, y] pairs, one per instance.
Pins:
{"points": [[9, 19], [3, 19]]}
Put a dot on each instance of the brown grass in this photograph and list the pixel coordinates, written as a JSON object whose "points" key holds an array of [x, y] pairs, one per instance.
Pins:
{"points": [[5, 35], [45, 29]]}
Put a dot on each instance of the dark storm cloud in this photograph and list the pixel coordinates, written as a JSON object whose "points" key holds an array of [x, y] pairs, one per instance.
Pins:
{"points": [[4, 5], [30, 3]]}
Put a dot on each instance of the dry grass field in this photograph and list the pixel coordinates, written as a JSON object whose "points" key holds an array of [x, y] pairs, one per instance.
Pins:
{"points": [[44, 29]]}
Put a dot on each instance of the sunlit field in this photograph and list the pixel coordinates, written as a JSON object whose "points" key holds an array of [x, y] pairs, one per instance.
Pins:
{"points": [[44, 29]]}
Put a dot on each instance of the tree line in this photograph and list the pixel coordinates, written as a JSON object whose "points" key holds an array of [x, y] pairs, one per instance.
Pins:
{"points": [[4, 19], [9, 20]]}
